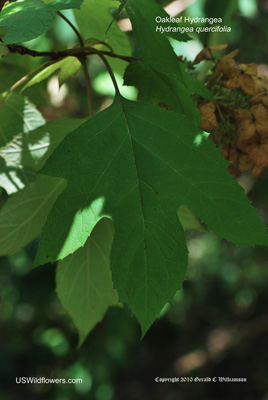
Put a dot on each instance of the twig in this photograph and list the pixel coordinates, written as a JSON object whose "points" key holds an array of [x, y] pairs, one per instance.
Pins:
{"points": [[15, 48]]}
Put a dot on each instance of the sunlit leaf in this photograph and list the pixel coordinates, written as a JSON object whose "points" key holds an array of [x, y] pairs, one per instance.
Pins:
{"points": [[84, 282]]}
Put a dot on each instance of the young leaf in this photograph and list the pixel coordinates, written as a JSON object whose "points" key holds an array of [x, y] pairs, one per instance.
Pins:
{"points": [[28, 19], [68, 67], [84, 282], [24, 214], [137, 163], [93, 19]]}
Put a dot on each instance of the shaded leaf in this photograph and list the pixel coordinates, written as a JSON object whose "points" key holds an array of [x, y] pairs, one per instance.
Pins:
{"points": [[156, 86], [84, 281], [3, 31], [137, 163], [154, 47], [28, 19]]}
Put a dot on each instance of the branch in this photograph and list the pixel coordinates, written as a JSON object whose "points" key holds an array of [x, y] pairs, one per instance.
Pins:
{"points": [[15, 48]]}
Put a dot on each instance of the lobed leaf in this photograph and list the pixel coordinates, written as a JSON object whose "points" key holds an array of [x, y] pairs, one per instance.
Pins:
{"points": [[136, 164], [156, 86], [157, 52]]}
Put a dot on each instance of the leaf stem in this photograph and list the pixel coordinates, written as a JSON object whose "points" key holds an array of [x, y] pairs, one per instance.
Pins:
{"points": [[73, 28], [83, 59], [109, 69]]}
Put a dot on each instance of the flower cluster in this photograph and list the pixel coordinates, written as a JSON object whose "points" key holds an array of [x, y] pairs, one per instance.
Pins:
{"points": [[238, 117]]}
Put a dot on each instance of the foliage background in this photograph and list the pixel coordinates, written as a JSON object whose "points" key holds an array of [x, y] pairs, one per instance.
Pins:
{"points": [[219, 324]]}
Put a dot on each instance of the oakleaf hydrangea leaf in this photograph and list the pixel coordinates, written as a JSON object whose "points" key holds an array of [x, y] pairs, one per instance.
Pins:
{"points": [[136, 164], [156, 86]]}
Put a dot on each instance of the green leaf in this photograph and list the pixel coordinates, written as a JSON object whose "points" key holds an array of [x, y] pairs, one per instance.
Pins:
{"points": [[26, 153], [84, 282], [155, 47], [18, 115], [120, 8], [14, 177], [3, 31], [143, 16], [137, 163], [156, 86], [194, 85], [68, 67], [24, 214], [32, 150], [4, 51], [11, 72], [188, 220], [28, 19], [93, 20]]}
